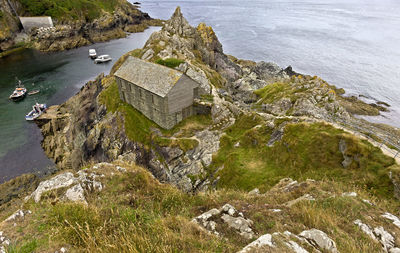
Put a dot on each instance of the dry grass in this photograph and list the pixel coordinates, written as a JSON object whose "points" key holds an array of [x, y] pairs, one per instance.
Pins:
{"points": [[136, 213]]}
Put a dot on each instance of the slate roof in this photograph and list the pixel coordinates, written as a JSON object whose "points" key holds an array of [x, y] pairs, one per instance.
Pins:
{"points": [[150, 76]]}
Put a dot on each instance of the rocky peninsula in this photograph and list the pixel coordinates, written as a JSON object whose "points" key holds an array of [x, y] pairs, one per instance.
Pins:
{"points": [[75, 28], [275, 162]]}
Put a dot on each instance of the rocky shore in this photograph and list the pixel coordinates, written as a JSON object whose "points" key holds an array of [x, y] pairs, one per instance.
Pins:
{"points": [[68, 34]]}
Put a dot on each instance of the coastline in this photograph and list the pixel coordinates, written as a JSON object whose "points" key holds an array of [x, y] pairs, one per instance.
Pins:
{"points": [[69, 34]]}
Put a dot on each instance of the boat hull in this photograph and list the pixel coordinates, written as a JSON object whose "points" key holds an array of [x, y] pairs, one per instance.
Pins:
{"points": [[17, 98], [34, 114]]}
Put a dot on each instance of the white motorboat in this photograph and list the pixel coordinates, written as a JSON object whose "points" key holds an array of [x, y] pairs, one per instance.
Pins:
{"points": [[102, 59], [37, 110], [19, 93], [92, 53]]}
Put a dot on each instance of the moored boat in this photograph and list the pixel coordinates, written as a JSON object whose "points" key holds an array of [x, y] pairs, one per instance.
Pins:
{"points": [[92, 53], [19, 93], [37, 110], [33, 92], [102, 59]]}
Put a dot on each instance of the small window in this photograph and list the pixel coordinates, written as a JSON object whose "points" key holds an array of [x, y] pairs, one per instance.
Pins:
{"points": [[152, 99], [140, 93]]}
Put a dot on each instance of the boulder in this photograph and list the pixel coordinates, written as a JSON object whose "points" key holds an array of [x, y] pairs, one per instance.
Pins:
{"points": [[59, 181], [366, 229], [262, 241], [255, 191], [385, 238], [319, 240], [212, 219], [76, 194]]}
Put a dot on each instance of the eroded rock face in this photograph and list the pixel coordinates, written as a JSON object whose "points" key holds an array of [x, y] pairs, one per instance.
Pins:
{"points": [[193, 162], [9, 25], [80, 130], [306, 96], [80, 33], [212, 220]]}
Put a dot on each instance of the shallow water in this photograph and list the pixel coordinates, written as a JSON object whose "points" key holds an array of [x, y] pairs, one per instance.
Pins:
{"points": [[354, 44], [58, 76]]}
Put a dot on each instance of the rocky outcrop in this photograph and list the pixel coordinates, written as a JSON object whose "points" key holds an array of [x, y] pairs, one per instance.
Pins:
{"points": [[9, 24], [75, 186], [319, 240], [212, 221], [67, 34], [108, 26], [80, 130], [262, 241]]}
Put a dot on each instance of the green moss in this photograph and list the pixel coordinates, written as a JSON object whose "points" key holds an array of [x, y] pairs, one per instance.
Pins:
{"points": [[170, 62], [305, 151], [184, 144], [27, 247], [276, 91]]}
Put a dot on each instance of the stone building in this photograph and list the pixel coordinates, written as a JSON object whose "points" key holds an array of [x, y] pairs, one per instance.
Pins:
{"points": [[162, 94]]}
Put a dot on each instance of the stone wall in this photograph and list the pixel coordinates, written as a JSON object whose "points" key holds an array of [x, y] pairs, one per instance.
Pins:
{"points": [[30, 22]]}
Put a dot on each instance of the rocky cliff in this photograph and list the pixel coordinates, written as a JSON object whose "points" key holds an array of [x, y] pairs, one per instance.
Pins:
{"points": [[9, 24], [70, 32]]}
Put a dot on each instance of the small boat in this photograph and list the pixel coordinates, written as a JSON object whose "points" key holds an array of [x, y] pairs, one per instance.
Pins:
{"points": [[33, 92], [37, 110], [19, 93], [92, 53], [103, 58]]}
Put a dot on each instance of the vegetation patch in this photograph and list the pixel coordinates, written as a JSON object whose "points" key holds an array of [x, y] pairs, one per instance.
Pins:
{"points": [[305, 151], [183, 143], [170, 62], [274, 92], [72, 9]]}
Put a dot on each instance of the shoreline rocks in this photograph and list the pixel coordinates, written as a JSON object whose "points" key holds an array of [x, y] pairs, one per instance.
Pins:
{"points": [[75, 33]]}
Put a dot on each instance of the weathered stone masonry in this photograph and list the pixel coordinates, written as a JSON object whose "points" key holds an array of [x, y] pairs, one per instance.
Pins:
{"points": [[162, 94]]}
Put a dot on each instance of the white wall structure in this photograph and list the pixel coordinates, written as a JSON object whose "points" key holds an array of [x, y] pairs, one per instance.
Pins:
{"points": [[30, 22]]}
